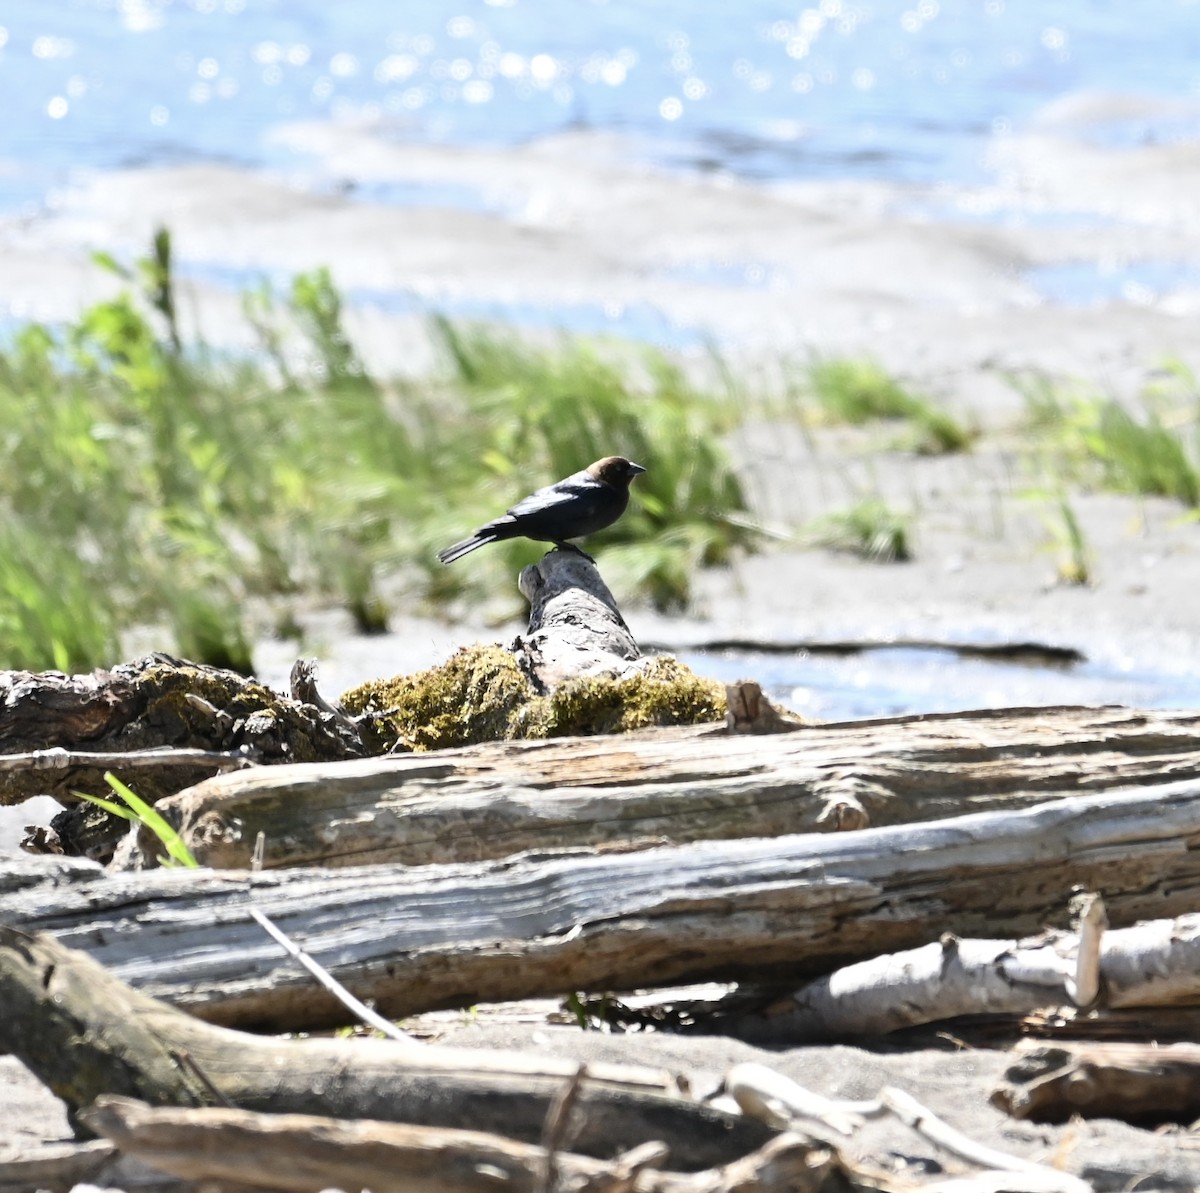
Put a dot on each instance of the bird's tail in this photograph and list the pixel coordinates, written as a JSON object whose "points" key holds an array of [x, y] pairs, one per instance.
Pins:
{"points": [[458, 550]]}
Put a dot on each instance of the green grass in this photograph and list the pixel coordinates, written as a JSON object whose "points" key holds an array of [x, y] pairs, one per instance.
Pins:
{"points": [[1150, 449], [550, 411], [137, 811], [870, 529], [1074, 554], [145, 482], [861, 391]]}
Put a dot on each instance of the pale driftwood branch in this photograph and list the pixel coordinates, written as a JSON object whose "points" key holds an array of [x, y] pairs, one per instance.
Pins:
{"points": [[57, 758], [325, 979], [779, 1101], [1083, 985], [922, 1120], [303, 1153], [83, 1033], [426, 937], [1142, 1082], [675, 785], [1151, 964]]}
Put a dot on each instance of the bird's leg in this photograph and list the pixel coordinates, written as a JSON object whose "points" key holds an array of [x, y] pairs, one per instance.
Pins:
{"points": [[565, 546]]}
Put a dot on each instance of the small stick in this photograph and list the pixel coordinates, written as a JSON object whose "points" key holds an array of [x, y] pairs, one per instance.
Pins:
{"points": [[60, 758], [910, 1112], [326, 979], [554, 1132], [260, 852], [629, 1165], [1084, 987], [185, 1060]]}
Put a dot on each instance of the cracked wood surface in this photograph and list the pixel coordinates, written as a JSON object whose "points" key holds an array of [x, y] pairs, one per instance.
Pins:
{"points": [[416, 938], [671, 786]]}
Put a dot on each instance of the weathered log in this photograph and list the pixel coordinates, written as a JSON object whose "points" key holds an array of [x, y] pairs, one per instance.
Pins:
{"points": [[304, 1153], [181, 721], [1142, 1083], [1152, 964], [676, 785], [575, 627], [1031, 653], [153, 702], [781, 909], [84, 1033], [1151, 1024], [55, 1167]]}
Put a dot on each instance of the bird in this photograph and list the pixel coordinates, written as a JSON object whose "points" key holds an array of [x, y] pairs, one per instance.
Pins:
{"points": [[578, 505]]}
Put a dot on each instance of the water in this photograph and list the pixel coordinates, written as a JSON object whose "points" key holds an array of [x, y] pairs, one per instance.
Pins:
{"points": [[895, 682], [1087, 283], [868, 89]]}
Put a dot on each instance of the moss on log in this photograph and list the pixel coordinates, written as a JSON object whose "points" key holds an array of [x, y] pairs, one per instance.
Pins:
{"points": [[482, 694]]}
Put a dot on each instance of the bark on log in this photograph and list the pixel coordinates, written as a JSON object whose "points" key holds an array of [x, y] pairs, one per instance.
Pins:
{"points": [[84, 1033], [673, 785], [1143, 1083], [756, 910], [1153, 1024], [153, 702], [305, 1153]]}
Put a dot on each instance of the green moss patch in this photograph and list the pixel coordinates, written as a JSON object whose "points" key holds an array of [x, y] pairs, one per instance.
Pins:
{"points": [[665, 693], [473, 697], [482, 695]]}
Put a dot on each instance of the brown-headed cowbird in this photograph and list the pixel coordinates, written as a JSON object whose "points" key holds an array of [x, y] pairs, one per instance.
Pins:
{"points": [[581, 504]]}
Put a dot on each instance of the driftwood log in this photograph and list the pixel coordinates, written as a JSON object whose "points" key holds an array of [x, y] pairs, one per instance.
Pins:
{"points": [[1152, 964], [84, 1033], [306, 1153], [671, 785], [781, 909], [164, 724], [1139, 1082], [153, 703]]}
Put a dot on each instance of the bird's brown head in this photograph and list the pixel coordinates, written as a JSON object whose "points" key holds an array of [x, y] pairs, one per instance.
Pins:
{"points": [[615, 470]]}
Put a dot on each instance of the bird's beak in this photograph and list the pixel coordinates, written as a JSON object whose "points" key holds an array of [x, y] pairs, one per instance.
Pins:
{"points": [[635, 469]]}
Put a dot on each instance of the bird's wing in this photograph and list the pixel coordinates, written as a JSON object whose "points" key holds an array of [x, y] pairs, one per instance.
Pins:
{"points": [[580, 493]]}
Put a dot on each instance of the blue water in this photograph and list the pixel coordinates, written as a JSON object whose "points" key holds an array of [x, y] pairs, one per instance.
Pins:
{"points": [[893, 682], [869, 89], [1088, 283]]}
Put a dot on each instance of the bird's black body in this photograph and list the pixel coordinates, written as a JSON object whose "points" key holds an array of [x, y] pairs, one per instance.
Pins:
{"points": [[579, 505]]}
